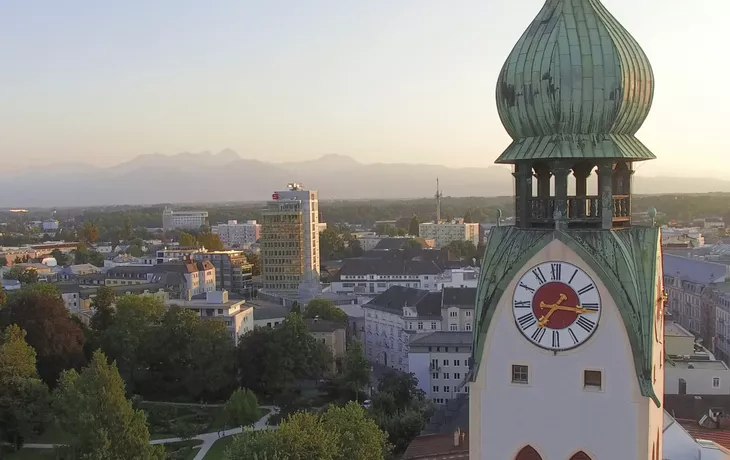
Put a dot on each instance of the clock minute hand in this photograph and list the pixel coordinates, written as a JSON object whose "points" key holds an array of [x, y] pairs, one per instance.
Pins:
{"points": [[577, 309]]}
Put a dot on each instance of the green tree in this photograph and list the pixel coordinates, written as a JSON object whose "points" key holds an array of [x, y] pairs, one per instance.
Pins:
{"points": [[404, 387], [359, 437], [461, 248], [187, 240], [3, 298], [242, 408], [210, 241], [126, 339], [303, 436], [331, 244], [24, 399], [57, 339], [92, 407], [251, 358], [127, 231], [326, 310], [256, 445], [24, 275], [356, 373], [255, 260], [89, 233], [468, 219], [413, 227], [61, 257], [103, 307], [414, 244]]}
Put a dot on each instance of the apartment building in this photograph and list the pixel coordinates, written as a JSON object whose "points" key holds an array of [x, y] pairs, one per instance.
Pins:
{"points": [[690, 369], [371, 276], [78, 298], [440, 362], [236, 235], [333, 335], [233, 272], [183, 219], [237, 316], [446, 232], [182, 279], [395, 318], [459, 277], [290, 239]]}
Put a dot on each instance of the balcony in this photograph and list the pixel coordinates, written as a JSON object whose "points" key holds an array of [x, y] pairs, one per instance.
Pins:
{"points": [[580, 209]]}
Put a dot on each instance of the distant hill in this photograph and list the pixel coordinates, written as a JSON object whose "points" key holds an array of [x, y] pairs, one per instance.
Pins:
{"points": [[225, 176]]}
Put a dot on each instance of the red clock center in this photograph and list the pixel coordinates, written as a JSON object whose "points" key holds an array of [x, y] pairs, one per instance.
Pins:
{"points": [[556, 305]]}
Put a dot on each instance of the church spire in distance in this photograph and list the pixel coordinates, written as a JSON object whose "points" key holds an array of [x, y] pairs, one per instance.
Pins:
{"points": [[572, 94]]}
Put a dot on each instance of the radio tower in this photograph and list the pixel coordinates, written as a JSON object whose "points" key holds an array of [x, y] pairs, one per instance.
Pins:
{"points": [[438, 202]]}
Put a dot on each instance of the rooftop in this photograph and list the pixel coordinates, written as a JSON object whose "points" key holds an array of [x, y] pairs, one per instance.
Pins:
{"points": [[694, 270], [699, 364], [321, 325], [388, 266], [427, 304], [674, 329], [463, 297], [448, 338], [438, 446]]}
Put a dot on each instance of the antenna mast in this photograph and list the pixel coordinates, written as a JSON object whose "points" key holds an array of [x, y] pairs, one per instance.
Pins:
{"points": [[438, 202]]}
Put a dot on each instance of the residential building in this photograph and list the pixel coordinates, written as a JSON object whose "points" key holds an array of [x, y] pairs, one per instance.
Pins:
{"points": [[459, 277], [166, 254], [440, 361], [127, 260], [368, 241], [393, 318], [237, 236], [233, 273], [78, 298], [370, 276], [74, 271], [267, 314], [237, 316], [290, 239], [333, 335], [689, 284], [50, 225], [183, 219], [445, 232], [183, 279], [675, 238], [690, 368]]}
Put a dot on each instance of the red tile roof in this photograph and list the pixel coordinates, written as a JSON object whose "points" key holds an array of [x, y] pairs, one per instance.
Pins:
{"points": [[438, 446], [720, 435]]}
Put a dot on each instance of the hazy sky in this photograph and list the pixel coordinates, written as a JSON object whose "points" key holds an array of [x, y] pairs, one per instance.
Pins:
{"points": [[101, 81]]}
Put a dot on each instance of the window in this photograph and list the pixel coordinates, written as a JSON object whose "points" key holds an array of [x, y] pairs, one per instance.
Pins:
{"points": [[446, 375], [435, 375], [467, 327], [435, 389], [447, 389], [453, 327], [453, 314], [433, 324], [457, 362], [519, 374], [420, 325], [446, 362], [592, 380], [468, 313], [715, 382], [457, 376]]}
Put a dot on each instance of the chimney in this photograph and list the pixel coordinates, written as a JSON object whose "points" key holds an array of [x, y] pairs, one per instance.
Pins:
{"points": [[457, 437]]}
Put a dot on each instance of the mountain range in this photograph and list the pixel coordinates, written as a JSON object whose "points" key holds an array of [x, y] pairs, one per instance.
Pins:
{"points": [[226, 177]]}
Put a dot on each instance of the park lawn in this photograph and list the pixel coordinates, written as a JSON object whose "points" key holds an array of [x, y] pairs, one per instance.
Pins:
{"points": [[218, 449], [209, 418], [175, 446]]}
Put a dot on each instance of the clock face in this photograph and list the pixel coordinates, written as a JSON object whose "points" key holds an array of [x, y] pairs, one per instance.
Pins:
{"points": [[556, 305]]}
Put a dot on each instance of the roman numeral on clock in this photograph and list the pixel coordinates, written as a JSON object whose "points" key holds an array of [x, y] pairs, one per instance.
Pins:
{"points": [[556, 339], [524, 286], [572, 336], [527, 320], [590, 306], [588, 288], [585, 323], [555, 272], [538, 274], [522, 303], [538, 334], [573, 276]]}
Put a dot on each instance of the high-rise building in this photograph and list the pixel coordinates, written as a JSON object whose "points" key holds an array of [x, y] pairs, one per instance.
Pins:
{"points": [[568, 350], [236, 235], [183, 219], [290, 239]]}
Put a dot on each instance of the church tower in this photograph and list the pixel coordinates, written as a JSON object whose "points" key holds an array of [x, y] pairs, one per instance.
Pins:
{"points": [[568, 352]]}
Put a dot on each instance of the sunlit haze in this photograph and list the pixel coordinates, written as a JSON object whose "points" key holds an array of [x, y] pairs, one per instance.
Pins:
{"points": [[381, 80]]}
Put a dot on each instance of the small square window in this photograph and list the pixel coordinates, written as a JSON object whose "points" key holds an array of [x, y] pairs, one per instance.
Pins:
{"points": [[446, 375], [435, 389], [715, 382], [519, 374], [592, 380]]}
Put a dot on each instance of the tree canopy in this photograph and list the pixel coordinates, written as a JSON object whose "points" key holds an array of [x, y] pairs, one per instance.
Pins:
{"points": [[326, 310], [93, 409], [242, 408], [22, 274]]}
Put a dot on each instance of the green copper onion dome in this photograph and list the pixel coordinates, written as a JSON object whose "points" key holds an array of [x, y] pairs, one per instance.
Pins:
{"points": [[576, 85]]}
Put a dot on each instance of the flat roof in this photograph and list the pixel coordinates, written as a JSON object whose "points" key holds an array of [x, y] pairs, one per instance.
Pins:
{"points": [[672, 328], [712, 365], [442, 338]]}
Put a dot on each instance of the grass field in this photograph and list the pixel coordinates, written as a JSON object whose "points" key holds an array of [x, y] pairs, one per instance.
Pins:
{"points": [[218, 448]]}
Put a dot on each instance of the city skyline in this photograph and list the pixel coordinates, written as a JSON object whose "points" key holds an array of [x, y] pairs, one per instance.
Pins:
{"points": [[406, 82]]}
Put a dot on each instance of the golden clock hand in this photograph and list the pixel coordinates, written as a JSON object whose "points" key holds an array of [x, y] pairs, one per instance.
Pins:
{"points": [[546, 318], [577, 309]]}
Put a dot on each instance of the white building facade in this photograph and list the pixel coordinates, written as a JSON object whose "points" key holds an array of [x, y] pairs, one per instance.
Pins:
{"points": [[237, 316], [447, 232], [192, 220], [235, 235], [440, 362]]}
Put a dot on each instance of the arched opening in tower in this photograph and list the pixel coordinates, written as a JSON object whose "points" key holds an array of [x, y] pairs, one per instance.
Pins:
{"points": [[580, 456], [528, 453]]}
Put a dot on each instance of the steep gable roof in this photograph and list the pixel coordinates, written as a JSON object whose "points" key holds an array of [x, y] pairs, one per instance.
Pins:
{"points": [[462, 297]]}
